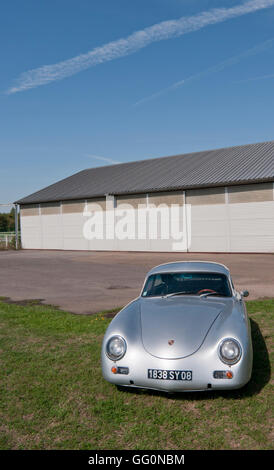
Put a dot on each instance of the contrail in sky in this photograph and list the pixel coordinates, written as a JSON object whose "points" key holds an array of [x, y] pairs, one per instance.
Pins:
{"points": [[216, 68], [104, 159], [253, 79], [132, 43]]}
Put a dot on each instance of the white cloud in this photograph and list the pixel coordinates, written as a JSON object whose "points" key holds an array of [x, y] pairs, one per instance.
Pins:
{"points": [[132, 43]]}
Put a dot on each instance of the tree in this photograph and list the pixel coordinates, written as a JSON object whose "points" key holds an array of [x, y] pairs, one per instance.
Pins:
{"points": [[4, 223], [7, 221]]}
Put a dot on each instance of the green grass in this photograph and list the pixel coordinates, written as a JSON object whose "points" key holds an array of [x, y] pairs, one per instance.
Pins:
{"points": [[53, 395]]}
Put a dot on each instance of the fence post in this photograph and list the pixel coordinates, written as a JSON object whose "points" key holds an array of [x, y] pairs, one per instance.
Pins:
{"points": [[16, 226]]}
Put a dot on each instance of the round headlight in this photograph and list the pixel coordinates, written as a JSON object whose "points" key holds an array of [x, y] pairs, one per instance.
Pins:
{"points": [[230, 351], [116, 348]]}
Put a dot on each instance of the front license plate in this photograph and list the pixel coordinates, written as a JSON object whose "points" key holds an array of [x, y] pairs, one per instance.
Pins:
{"points": [[159, 374]]}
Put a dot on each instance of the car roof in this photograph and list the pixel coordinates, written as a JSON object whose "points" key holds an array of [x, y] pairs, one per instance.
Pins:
{"points": [[181, 266]]}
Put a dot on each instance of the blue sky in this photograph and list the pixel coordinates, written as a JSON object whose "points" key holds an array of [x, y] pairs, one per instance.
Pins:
{"points": [[203, 81]]}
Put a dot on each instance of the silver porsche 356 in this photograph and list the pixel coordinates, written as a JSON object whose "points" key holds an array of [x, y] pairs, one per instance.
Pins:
{"points": [[188, 330]]}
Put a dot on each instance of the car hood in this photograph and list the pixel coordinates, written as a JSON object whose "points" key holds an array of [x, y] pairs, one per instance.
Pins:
{"points": [[183, 321]]}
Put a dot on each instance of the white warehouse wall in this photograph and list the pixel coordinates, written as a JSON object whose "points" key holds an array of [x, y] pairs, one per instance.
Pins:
{"points": [[218, 222]]}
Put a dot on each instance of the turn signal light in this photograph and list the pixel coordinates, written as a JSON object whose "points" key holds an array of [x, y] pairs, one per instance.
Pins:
{"points": [[120, 370], [222, 374]]}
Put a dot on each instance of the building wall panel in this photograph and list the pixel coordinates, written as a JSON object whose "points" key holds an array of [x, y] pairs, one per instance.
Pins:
{"points": [[72, 226], [31, 230], [252, 227], [52, 233], [30, 210], [96, 204], [52, 208], [168, 197], [133, 200], [75, 243], [206, 196], [250, 193], [209, 228], [73, 207]]}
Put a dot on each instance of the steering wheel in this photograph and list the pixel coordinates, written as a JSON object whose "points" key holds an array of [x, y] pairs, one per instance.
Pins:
{"points": [[206, 290]]}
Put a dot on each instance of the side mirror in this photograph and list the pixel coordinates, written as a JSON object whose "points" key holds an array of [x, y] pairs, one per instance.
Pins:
{"points": [[244, 293]]}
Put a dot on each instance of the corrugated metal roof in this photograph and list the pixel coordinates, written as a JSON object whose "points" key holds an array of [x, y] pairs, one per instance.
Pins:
{"points": [[219, 167]]}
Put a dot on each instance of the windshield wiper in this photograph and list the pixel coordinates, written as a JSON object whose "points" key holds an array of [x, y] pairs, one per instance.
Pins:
{"points": [[179, 293], [212, 293]]}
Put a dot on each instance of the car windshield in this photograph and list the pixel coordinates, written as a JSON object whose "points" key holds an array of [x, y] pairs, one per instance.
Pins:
{"points": [[187, 283]]}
